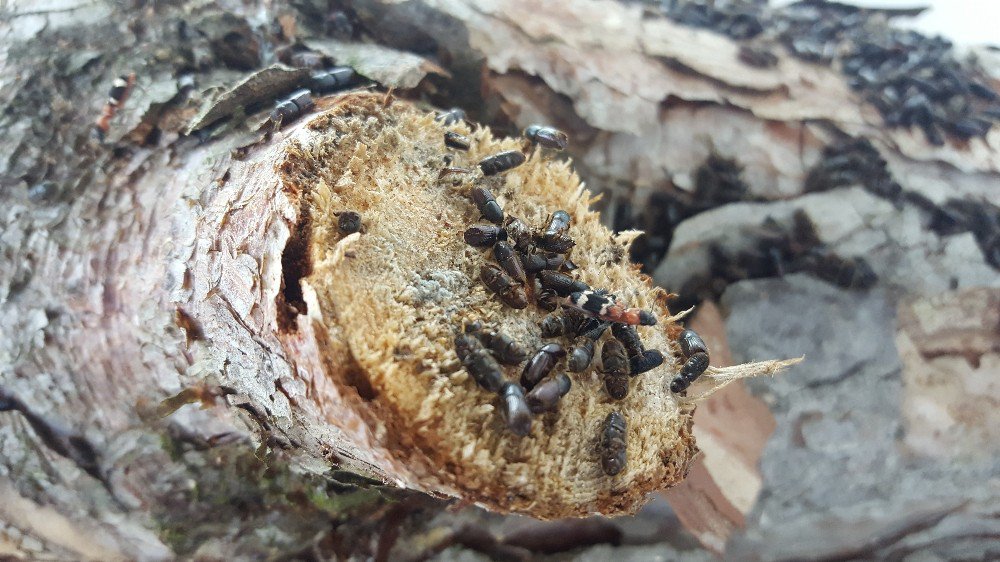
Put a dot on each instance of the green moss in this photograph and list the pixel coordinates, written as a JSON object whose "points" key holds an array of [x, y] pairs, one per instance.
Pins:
{"points": [[231, 493]]}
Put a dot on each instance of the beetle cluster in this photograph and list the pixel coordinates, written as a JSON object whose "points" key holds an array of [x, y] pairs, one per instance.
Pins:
{"points": [[532, 266], [717, 180], [913, 80], [980, 218]]}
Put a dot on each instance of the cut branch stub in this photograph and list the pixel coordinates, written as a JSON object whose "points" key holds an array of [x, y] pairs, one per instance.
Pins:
{"points": [[371, 330]]}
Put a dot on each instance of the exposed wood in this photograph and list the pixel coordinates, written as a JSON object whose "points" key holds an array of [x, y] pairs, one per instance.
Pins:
{"points": [[151, 407]]}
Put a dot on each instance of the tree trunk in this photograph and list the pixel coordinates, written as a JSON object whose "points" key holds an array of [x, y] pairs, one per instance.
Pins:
{"points": [[153, 409]]}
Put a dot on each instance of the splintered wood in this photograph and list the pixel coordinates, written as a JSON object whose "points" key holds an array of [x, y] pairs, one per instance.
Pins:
{"points": [[387, 305]]}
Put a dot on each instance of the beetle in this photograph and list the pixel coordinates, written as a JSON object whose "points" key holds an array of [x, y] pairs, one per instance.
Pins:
{"points": [[545, 397], [695, 353], [629, 338], [541, 364], [484, 235], [519, 233], [691, 343], [640, 359], [559, 244], [549, 137], [582, 352], [505, 348], [565, 323], [509, 261], [533, 263], [510, 292], [615, 366], [456, 141], [483, 368], [547, 300], [515, 409], [606, 307], [349, 222], [646, 361], [690, 370], [331, 79], [558, 224], [580, 355], [121, 88], [487, 204], [452, 116], [501, 162], [561, 284], [291, 108], [613, 444]]}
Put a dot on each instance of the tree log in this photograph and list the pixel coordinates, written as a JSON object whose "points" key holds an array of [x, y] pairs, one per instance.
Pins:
{"points": [[158, 403]]}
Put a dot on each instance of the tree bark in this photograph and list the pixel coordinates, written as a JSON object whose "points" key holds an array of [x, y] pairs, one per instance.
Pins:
{"points": [[152, 411]]}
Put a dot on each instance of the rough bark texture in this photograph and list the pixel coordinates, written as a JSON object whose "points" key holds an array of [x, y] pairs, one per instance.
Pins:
{"points": [[152, 413]]}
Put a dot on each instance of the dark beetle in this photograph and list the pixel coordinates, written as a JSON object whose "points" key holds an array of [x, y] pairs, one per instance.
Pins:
{"points": [[515, 410], [647, 361], [691, 343], [567, 322], [691, 370], [592, 328], [559, 244], [640, 360], [547, 300], [558, 224], [510, 292], [561, 283], [452, 116], [629, 338], [487, 204], [483, 368], [509, 261], [533, 263], [519, 233], [456, 141], [554, 325], [484, 235], [588, 326], [580, 355], [613, 444], [757, 56], [349, 222], [504, 348], [545, 397], [695, 352], [501, 162], [616, 369], [332, 79], [541, 364], [291, 108], [546, 136]]}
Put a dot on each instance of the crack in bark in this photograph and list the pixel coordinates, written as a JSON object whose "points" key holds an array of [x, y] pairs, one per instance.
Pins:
{"points": [[60, 439]]}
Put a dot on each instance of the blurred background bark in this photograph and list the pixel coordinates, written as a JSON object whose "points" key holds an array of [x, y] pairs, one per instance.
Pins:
{"points": [[818, 183]]}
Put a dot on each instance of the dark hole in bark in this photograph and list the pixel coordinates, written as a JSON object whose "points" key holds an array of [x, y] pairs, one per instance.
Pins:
{"points": [[357, 379], [295, 265]]}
